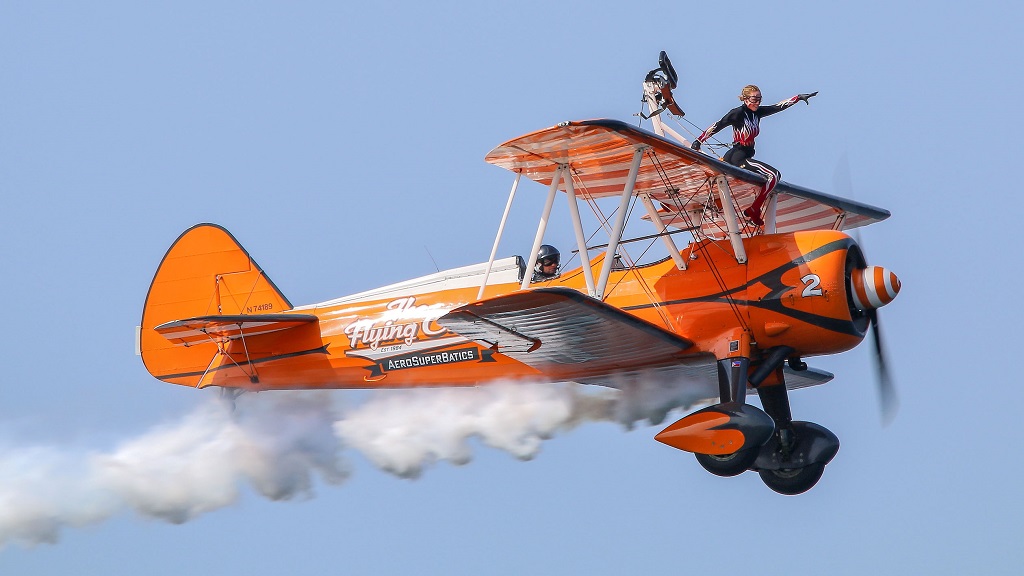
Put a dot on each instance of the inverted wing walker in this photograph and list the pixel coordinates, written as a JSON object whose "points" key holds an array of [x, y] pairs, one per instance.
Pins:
{"points": [[731, 311]]}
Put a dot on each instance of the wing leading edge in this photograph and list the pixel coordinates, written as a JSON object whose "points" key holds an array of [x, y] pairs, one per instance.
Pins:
{"points": [[565, 334]]}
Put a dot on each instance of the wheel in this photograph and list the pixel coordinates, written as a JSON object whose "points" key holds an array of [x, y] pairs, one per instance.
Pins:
{"points": [[728, 464], [793, 481]]}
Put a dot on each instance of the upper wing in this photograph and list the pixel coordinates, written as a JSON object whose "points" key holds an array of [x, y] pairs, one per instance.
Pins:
{"points": [[599, 153], [223, 328], [800, 208], [797, 208], [565, 334]]}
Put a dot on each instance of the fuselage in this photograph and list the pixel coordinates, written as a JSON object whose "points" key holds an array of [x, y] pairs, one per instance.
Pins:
{"points": [[792, 291]]}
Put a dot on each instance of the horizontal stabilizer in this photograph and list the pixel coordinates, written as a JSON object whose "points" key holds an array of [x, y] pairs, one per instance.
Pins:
{"points": [[203, 329], [561, 331]]}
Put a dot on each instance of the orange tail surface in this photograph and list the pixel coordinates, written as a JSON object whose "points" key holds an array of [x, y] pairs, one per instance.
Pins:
{"points": [[204, 273]]}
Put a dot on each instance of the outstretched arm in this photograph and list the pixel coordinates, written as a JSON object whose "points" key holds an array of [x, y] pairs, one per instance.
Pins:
{"points": [[807, 97], [728, 120], [769, 110]]}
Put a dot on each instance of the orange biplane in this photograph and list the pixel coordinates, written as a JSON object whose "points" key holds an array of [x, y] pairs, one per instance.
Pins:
{"points": [[735, 310]]}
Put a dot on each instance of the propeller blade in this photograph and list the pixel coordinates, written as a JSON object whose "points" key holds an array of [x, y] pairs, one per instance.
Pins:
{"points": [[842, 183], [888, 399]]}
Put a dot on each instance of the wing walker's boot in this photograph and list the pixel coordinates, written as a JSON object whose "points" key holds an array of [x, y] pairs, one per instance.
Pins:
{"points": [[754, 212], [754, 216]]}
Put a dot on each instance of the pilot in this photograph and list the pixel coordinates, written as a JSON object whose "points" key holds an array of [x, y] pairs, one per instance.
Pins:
{"points": [[745, 122], [547, 263]]}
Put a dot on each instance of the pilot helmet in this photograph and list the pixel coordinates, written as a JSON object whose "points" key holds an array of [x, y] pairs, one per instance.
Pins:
{"points": [[546, 256]]}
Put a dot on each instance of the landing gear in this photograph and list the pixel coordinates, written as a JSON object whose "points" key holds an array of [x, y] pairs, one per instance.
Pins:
{"points": [[726, 437], [794, 465], [793, 481], [793, 460], [732, 384], [732, 437], [729, 464]]}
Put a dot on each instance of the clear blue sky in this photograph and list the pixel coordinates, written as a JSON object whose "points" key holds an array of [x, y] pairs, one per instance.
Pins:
{"points": [[338, 141]]}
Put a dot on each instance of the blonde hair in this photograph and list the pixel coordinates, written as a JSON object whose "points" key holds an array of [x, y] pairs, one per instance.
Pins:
{"points": [[748, 90]]}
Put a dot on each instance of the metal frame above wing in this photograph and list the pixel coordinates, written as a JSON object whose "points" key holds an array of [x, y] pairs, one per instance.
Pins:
{"points": [[598, 154]]}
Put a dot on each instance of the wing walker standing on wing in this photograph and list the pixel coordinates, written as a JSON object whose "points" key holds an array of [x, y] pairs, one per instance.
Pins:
{"points": [[745, 122], [735, 311]]}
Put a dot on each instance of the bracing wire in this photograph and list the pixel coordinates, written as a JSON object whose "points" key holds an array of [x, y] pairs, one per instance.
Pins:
{"points": [[701, 246], [599, 215]]}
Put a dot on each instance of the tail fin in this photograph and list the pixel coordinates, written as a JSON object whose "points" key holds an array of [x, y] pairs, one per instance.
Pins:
{"points": [[204, 273]]}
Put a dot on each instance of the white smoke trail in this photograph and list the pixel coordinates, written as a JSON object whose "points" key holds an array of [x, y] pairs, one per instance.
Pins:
{"points": [[174, 472], [180, 472], [277, 443], [403, 431]]}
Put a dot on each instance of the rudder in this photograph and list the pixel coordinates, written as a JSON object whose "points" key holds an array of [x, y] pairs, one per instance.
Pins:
{"points": [[205, 272]]}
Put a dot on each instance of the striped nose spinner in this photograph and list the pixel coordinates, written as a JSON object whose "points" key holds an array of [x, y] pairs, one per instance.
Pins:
{"points": [[873, 287]]}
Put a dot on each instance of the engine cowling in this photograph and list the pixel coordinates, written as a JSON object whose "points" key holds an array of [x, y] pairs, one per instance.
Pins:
{"points": [[813, 291]]}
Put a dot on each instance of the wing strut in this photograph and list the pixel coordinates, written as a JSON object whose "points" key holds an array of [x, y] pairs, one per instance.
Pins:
{"points": [[730, 219], [542, 227], [666, 237], [501, 230], [620, 221], [223, 353], [577, 224], [769, 213]]}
